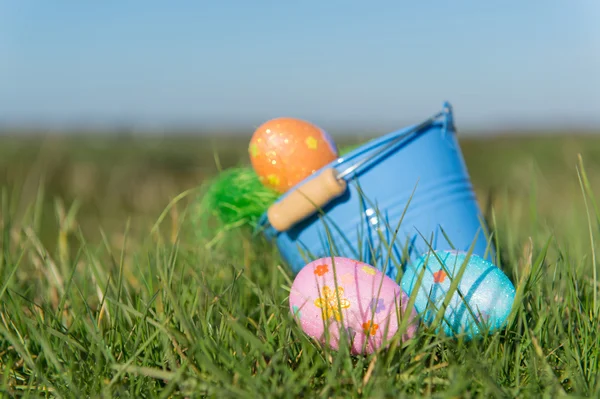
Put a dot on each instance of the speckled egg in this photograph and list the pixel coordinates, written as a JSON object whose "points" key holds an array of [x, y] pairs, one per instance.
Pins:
{"points": [[284, 151], [365, 306], [488, 293]]}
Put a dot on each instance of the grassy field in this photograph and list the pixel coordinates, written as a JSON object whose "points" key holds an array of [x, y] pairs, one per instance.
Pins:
{"points": [[94, 302]]}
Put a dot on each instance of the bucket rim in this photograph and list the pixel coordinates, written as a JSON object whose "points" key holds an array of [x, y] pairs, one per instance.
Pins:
{"points": [[446, 122]]}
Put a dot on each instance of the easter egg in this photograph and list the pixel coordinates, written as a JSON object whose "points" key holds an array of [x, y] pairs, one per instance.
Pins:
{"points": [[284, 151], [365, 307], [487, 293]]}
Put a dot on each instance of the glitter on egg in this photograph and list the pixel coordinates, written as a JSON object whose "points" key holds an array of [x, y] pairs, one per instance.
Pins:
{"points": [[369, 308], [284, 151], [484, 289]]}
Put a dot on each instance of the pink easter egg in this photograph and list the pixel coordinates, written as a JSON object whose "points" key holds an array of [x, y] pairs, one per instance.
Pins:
{"points": [[368, 305]]}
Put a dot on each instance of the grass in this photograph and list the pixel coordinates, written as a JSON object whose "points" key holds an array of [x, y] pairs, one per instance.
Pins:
{"points": [[94, 302]]}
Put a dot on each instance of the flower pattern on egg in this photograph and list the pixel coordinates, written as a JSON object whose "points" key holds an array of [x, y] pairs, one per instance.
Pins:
{"points": [[369, 270], [370, 328], [253, 150], [311, 142], [439, 276], [296, 311], [377, 305], [328, 302], [320, 270], [273, 180]]}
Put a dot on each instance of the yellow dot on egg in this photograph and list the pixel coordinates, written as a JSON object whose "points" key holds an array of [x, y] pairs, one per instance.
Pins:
{"points": [[311, 142], [369, 270], [253, 150], [273, 180]]}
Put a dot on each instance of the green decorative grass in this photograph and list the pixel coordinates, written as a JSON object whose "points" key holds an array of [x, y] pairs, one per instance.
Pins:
{"points": [[234, 199], [156, 312]]}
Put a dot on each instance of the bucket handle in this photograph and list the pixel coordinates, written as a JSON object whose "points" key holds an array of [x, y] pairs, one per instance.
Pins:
{"points": [[305, 200], [390, 147]]}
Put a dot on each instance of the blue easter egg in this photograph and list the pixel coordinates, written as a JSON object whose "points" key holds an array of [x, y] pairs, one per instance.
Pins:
{"points": [[485, 289]]}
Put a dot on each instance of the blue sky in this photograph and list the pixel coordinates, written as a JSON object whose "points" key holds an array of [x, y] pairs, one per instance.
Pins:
{"points": [[341, 64]]}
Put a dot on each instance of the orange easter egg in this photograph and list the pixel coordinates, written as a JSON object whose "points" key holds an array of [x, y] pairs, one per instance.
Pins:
{"points": [[284, 151]]}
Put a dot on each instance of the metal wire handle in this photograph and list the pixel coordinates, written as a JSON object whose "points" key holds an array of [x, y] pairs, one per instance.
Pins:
{"points": [[390, 145]]}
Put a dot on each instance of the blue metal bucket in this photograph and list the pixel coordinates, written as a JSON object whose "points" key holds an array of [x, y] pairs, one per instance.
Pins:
{"points": [[408, 192]]}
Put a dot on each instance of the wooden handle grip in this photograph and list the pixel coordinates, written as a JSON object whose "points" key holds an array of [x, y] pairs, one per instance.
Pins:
{"points": [[306, 200]]}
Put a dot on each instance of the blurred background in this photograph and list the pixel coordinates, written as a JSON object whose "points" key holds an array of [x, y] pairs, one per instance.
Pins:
{"points": [[120, 106]]}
